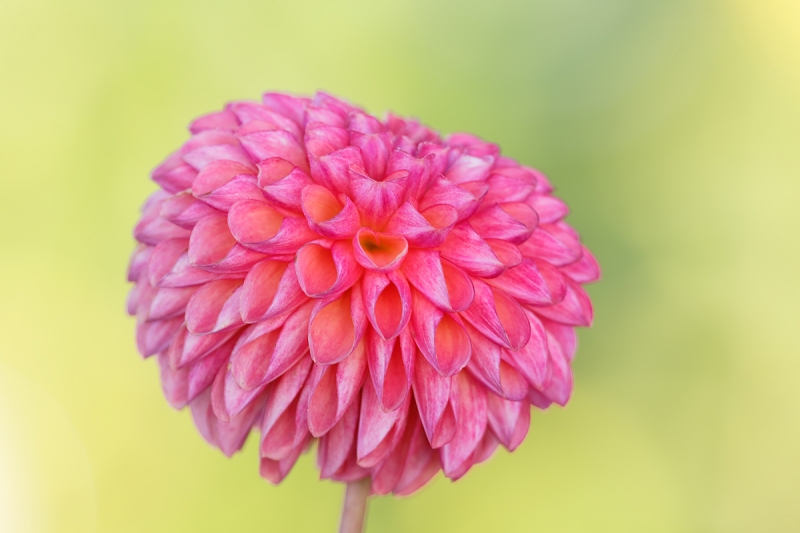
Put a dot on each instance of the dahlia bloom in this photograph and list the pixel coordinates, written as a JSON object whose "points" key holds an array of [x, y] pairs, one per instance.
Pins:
{"points": [[315, 273]]}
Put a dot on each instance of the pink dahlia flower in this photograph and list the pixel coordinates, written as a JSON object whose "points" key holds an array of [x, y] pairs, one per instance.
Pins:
{"points": [[315, 273]]}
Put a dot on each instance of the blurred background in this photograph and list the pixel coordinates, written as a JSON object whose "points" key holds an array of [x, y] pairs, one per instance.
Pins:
{"points": [[671, 127]]}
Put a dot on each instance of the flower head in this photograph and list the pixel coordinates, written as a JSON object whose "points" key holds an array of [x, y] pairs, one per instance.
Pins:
{"points": [[313, 272]]}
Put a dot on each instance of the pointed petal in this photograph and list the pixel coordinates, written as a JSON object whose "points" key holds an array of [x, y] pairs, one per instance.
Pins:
{"points": [[498, 316], [268, 356], [441, 282], [221, 120], [204, 313], [262, 145], [512, 222], [574, 310], [432, 395], [262, 228], [327, 216], [444, 192], [423, 230], [378, 431], [338, 443], [532, 360], [184, 210], [469, 403], [465, 248], [556, 243], [468, 168], [387, 301], [337, 326], [282, 182], [508, 420], [325, 270], [549, 208], [533, 282], [440, 336], [270, 289], [391, 365], [584, 270], [336, 387]]}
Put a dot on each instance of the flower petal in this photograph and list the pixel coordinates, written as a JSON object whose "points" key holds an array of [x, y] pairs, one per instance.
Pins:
{"points": [[336, 327], [440, 336], [443, 283], [387, 301]]}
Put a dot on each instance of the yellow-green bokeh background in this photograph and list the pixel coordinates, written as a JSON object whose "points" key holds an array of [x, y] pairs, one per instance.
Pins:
{"points": [[671, 127]]}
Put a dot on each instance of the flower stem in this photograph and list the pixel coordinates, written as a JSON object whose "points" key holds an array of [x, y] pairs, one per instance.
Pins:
{"points": [[354, 509]]}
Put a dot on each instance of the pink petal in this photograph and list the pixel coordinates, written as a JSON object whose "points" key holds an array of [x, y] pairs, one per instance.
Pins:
{"points": [[336, 387], [270, 288], [191, 348], [498, 376], [469, 402], [262, 358], [170, 302], [262, 228], [154, 229], [204, 313], [280, 430], [443, 283], [184, 210], [324, 270], [508, 420], [282, 182], [221, 120], [498, 316], [469, 168], [421, 462], [506, 252], [574, 310], [549, 208], [378, 200], [440, 336], [201, 157], [465, 248], [532, 360], [391, 365], [423, 230], [139, 261], [276, 471], [555, 243], [559, 388], [444, 192], [326, 215], [375, 149], [289, 106], [564, 335], [432, 394], [277, 143], [584, 270], [216, 175], [153, 337], [532, 282], [338, 443], [512, 222], [228, 399], [504, 188], [378, 431], [387, 301], [336, 327], [174, 175]]}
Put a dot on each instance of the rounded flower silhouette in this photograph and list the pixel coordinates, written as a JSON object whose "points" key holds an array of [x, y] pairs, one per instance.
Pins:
{"points": [[312, 272]]}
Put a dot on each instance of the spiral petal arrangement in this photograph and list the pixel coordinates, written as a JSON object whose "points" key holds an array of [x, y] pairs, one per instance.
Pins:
{"points": [[315, 273]]}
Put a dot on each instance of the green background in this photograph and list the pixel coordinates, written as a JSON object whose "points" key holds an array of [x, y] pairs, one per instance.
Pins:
{"points": [[671, 127]]}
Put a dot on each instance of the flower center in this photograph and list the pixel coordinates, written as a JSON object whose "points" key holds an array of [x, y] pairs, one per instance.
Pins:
{"points": [[379, 251]]}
